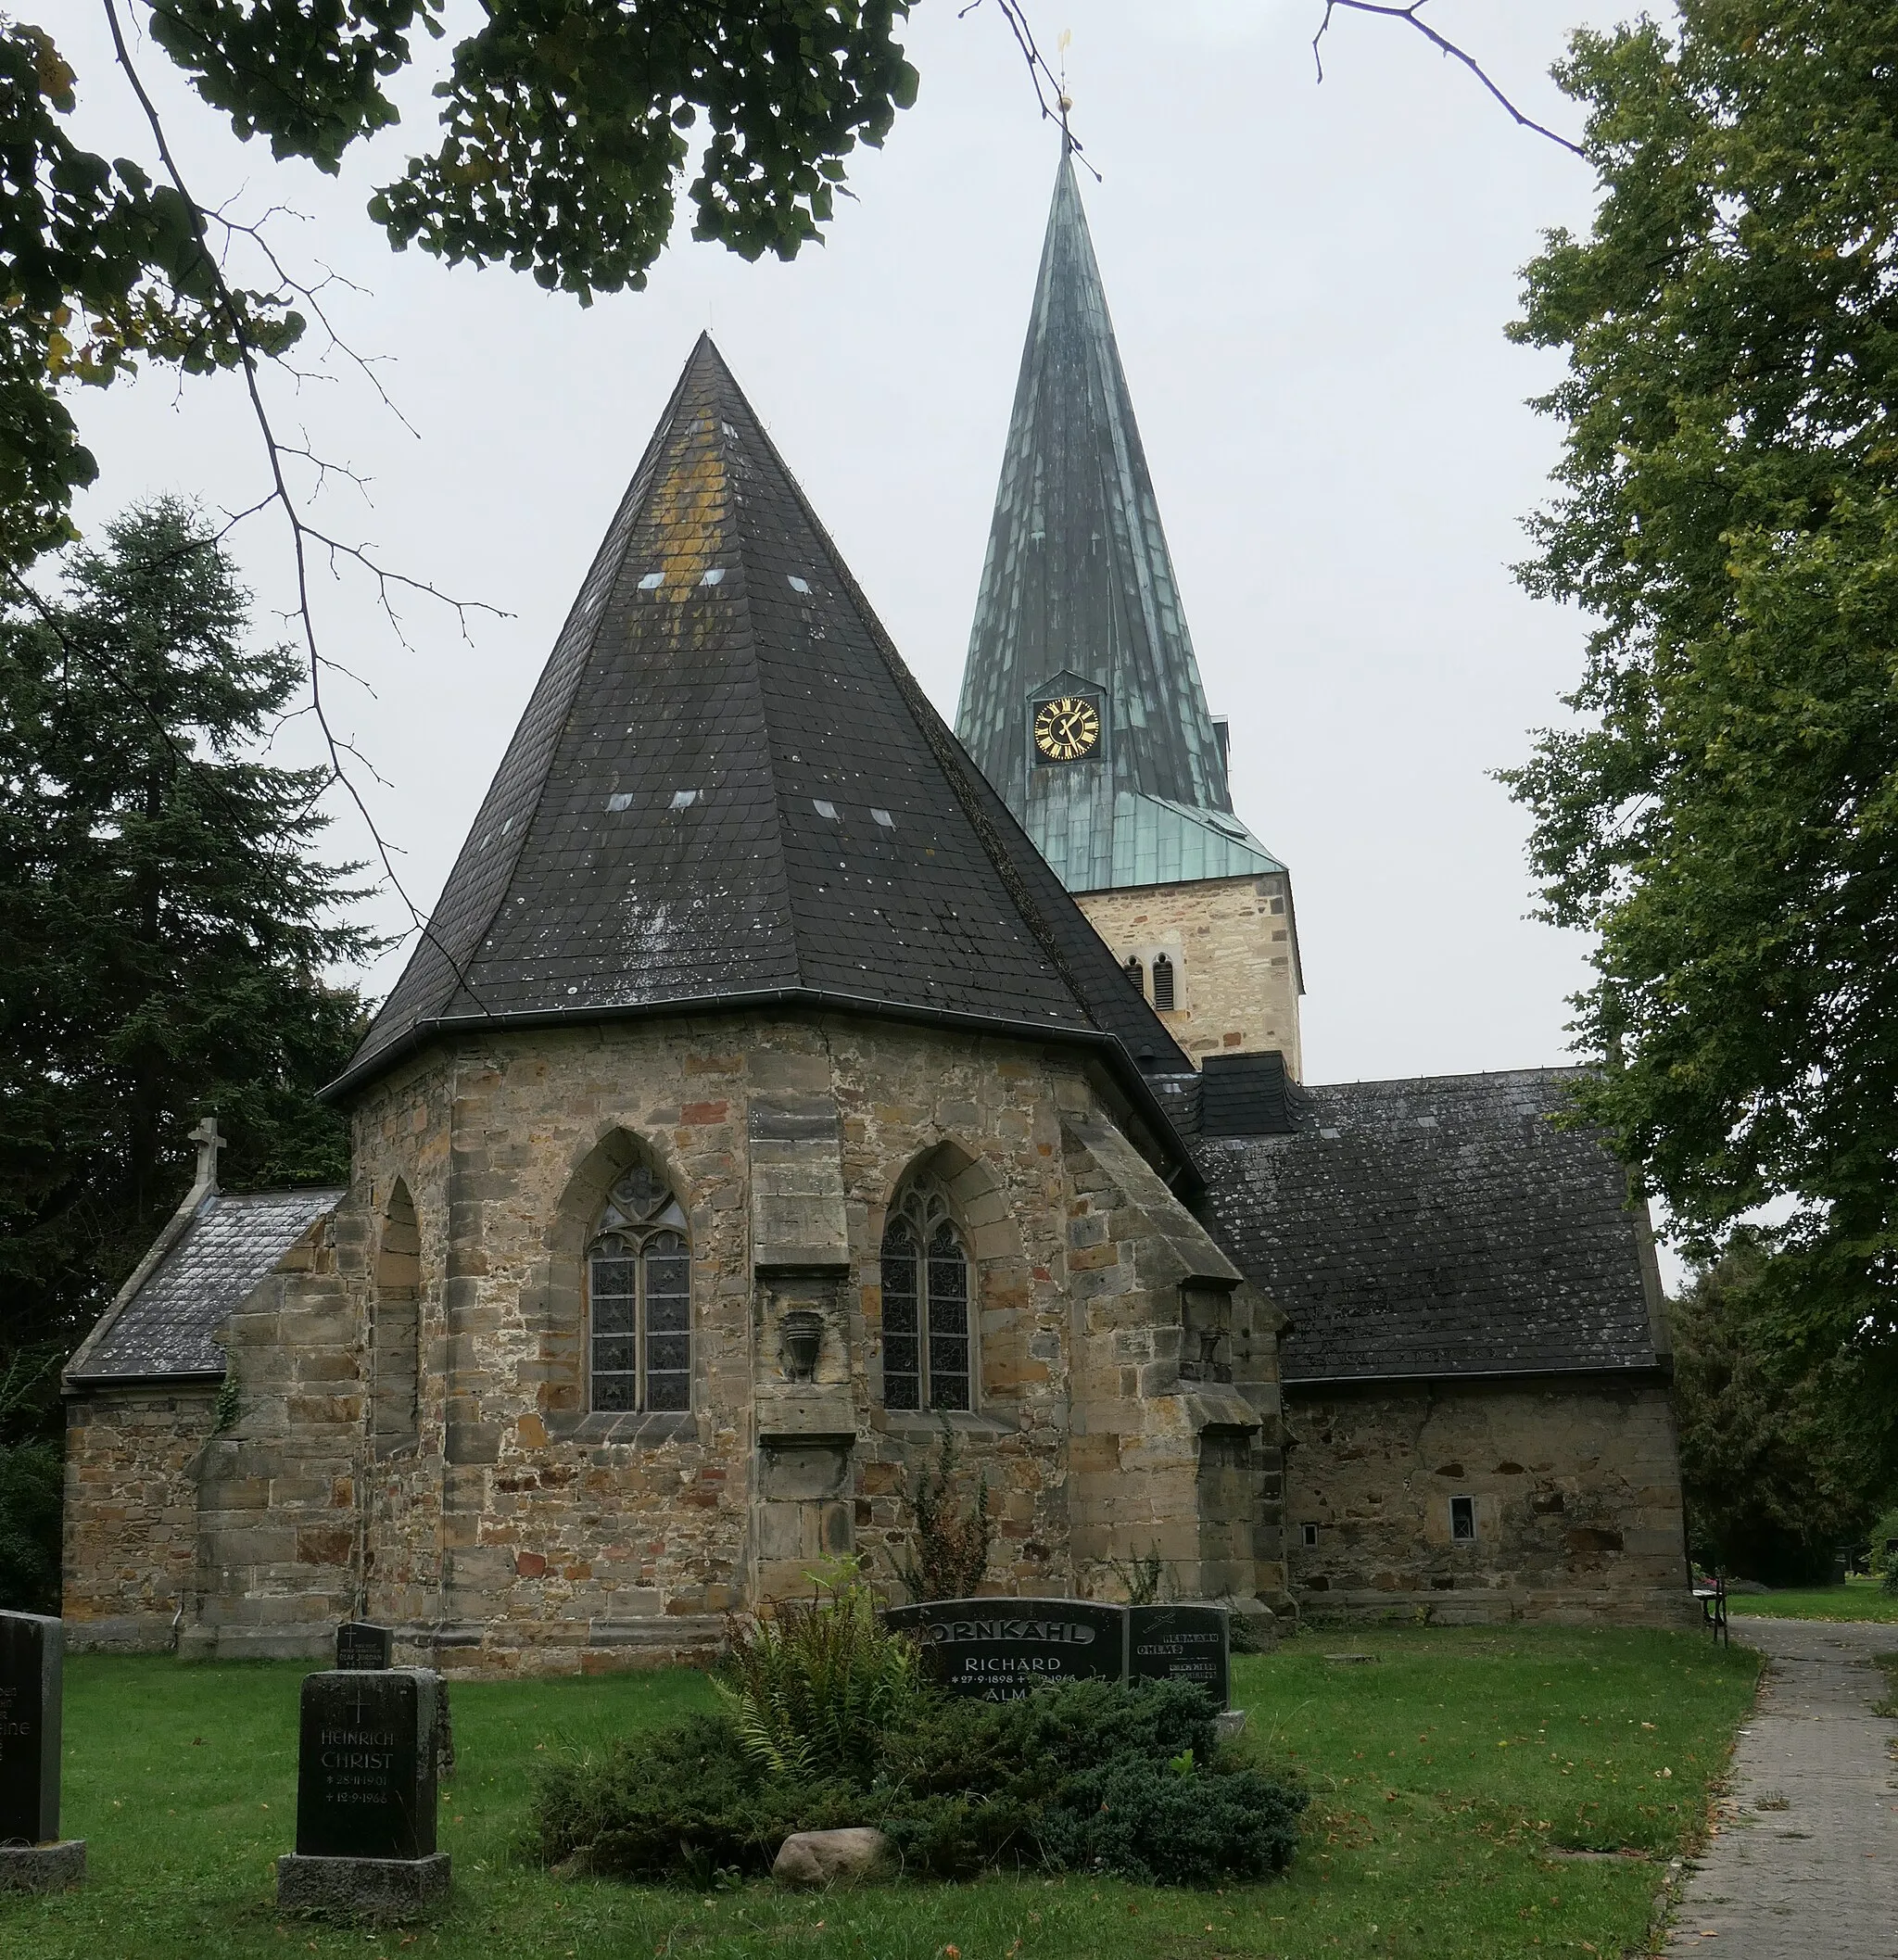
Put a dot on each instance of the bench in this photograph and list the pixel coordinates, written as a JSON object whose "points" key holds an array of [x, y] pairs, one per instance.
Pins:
{"points": [[1711, 1594]]}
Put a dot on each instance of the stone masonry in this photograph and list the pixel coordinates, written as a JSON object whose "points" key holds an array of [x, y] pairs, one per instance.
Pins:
{"points": [[1575, 1502], [1235, 963], [131, 1531], [500, 1525]]}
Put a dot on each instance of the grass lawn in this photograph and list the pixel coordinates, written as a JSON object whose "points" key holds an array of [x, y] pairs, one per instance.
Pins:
{"points": [[1444, 1776], [1858, 1599]]}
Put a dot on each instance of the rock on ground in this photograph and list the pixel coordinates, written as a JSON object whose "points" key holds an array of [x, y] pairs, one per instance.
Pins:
{"points": [[829, 1857]]}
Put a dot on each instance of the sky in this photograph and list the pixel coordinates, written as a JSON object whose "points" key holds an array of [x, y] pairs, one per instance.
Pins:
{"points": [[1309, 284]]}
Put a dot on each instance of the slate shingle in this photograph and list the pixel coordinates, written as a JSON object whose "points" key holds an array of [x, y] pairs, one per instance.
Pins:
{"points": [[231, 1245], [1443, 1226], [727, 785]]}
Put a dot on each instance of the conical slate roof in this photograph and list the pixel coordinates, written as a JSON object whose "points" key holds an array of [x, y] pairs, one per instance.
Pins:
{"points": [[727, 788], [1078, 588]]}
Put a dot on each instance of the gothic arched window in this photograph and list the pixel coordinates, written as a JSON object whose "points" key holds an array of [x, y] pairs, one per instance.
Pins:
{"points": [[640, 1299], [1137, 973], [1162, 982], [928, 1344]]}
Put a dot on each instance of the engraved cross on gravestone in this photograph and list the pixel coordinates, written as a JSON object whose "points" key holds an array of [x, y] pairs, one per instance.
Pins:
{"points": [[363, 1645], [365, 1769], [1182, 1643]]}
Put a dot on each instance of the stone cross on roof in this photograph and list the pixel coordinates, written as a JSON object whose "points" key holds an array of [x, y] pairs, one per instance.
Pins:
{"points": [[208, 1143]]}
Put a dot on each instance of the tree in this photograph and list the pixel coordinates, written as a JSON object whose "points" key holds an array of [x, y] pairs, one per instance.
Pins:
{"points": [[567, 135], [566, 131], [1778, 1465], [163, 930], [1724, 814]]}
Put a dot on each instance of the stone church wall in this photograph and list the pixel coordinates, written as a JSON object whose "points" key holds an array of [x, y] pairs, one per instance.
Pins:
{"points": [[130, 1525], [278, 1548], [1234, 960], [526, 1532], [1573, 1487], [411, 1438]]}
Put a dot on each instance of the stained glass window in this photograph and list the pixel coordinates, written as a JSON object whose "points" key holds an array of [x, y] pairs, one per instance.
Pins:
{"points": [[638, 1296], [926, 1333]]}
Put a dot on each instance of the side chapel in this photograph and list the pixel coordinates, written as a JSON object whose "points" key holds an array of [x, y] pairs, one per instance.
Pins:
{"points": [[781, 1078]]}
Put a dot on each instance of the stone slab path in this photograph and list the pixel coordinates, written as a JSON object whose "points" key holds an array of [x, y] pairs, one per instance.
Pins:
{"points": [[1805, 1864]]}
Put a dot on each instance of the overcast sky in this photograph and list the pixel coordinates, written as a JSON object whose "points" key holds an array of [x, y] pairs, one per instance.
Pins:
{"points": [[1310, 285]]}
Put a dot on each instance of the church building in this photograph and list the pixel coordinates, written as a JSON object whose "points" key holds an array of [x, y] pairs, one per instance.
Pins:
{"points": [[781, 1079]]}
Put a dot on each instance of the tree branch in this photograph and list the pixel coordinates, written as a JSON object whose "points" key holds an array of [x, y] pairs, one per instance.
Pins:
{"points": [[1413, 16], [1039, 72], [302, 535]]}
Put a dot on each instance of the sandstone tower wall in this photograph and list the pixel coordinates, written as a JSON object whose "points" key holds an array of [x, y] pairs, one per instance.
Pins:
{"points": [[1233, 949]]}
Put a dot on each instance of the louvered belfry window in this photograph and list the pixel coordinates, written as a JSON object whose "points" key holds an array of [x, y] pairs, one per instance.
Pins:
{"points": [[1137, 973], [1162, 982], [640, 1299], [928, 1349]]}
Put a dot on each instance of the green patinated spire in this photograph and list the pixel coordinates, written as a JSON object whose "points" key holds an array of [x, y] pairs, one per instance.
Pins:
{"points": [[1077, 595]]}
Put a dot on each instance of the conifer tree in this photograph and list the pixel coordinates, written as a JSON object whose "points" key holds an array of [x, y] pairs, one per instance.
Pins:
{"points": [[164, 926]]}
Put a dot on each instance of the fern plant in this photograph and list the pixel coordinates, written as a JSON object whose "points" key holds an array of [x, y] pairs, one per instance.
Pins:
{"points": [[812, 1689]]}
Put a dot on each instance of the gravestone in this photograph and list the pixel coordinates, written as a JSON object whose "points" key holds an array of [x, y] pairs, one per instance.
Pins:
{"points": [[1002, 1649], [361, 1644], [1182, 1643], [365, 1796], [33, 1856]]}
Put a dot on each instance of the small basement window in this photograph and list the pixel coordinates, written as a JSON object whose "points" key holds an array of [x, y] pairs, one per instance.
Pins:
{"points": [[1309, 1533], [1462, 1521]]}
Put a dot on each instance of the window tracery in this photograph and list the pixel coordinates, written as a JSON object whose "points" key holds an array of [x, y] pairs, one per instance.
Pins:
{"points": [[639, 1302], [927, 1335]]}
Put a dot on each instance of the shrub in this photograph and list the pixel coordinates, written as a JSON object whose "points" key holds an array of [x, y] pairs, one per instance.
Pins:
{"points": [[682, 1803], [1883, 1563], [31, 1479], [1172, 1824], [973, 1783], [950, 1551], [811, 1691], [1142, 1577], [1095, 1777]]}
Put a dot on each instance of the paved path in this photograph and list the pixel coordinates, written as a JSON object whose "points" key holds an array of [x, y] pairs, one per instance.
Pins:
{"points": [[1805, 1864]]}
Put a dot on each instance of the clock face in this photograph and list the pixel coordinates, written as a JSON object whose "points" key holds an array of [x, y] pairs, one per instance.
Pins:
{"points": [[1067, 728]]}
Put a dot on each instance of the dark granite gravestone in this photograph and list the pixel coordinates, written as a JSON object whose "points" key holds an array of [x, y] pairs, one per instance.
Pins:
{"points": [[1002, 1649], [33, 1858], [365, 1796], [1182, 1643], [361, 1644], [365, 1766]]}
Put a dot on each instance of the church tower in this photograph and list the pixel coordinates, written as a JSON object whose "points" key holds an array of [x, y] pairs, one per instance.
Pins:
{"points": [[1082, 700]]}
